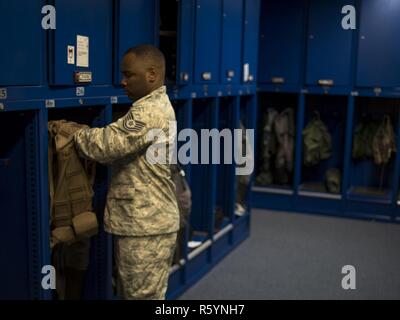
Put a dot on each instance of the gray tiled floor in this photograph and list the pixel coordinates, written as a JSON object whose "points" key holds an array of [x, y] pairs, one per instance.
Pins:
{"points": [[299, 256]]}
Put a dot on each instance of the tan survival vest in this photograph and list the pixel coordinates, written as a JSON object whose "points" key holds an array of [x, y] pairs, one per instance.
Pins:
{"points": [[70, 185]]}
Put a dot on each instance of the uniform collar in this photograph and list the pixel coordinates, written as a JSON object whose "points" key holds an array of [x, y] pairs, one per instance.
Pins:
{"points": [[160, 91]]}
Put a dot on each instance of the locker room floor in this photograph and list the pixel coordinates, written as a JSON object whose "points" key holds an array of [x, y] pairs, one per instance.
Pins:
{"points": [[300, 256]]}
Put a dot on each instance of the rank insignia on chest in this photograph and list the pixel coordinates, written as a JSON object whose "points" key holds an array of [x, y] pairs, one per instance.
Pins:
{"points": [[130, 124]]}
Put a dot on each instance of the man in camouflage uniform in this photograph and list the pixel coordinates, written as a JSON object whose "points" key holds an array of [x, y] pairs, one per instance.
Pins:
{"points": [[141, 210]]}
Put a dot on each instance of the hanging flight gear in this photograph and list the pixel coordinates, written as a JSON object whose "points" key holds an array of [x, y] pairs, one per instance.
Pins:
{"points": [[285, 131], [277, 147], [317, 143], [362, 141], [268, 148], [373, 139], [384, 142], [70, 184]]}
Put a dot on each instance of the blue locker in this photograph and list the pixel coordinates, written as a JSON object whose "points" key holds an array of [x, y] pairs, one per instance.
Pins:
{"points": [[203, 179], [231, 51], [328, 44], [81, 46], [176, 34], [98, 275], [332, 111], [367, 179], [135, 24], [207, 40], [281, 41], [250, 40], [21, 35], [378, 44], [19, 243], [225, 198], [185, 43]]}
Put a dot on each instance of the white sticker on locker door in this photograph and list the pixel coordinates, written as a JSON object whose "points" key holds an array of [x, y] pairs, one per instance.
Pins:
{"points": [[82, 51], [71, 54], [246, 72]]}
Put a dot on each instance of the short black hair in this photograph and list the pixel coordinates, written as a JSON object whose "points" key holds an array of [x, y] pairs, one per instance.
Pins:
{"points": [[151, 55]]}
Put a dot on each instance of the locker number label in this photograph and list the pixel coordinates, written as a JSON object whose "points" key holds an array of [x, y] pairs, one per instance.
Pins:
{"points": [[80, 91], [3, 93]]}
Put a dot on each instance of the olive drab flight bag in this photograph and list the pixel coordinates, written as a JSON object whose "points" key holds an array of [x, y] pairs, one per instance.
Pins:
{"points": [[333, 180], [70, 182], [317, 144]]}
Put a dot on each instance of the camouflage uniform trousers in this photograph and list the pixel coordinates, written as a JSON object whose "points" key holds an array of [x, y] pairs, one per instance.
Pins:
{"points": [[143, 265]]}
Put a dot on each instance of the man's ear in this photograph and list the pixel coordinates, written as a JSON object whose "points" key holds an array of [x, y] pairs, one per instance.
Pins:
{"points": [[151, 75]]}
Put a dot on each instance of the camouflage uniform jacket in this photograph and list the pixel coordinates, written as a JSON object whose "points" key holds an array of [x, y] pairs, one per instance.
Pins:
{"points": [[141, 199]]}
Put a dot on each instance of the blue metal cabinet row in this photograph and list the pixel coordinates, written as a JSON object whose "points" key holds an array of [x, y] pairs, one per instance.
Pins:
{"points": [[368, 188], [205, 41], [225, 41], [304, 43], [24, 200]]}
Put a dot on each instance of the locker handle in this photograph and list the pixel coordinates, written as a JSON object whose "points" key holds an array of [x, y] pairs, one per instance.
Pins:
{"points": [[4, 163], [230, 73], [206, 76], [325, 82], [185, 76], [278, 80]]}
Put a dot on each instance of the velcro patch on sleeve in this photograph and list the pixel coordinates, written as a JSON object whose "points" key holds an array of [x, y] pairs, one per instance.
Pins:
{"points": [[133, 125]]}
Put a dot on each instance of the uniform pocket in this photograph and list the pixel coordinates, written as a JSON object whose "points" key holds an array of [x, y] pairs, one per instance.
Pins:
{"points": [[121, 200], [142, 196]]}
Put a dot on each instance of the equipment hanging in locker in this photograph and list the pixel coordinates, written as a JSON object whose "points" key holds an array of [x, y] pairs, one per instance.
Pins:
{"points": [[278, 146], [72, 220], [317, 143], [374, 139]]}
